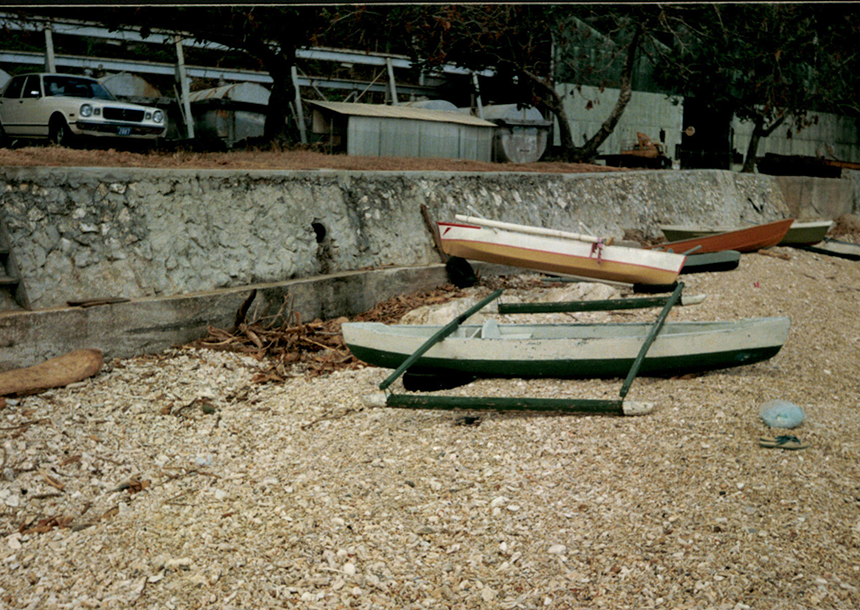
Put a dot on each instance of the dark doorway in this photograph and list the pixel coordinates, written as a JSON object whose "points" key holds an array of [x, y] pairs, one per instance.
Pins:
{"points": [[706, 142]]}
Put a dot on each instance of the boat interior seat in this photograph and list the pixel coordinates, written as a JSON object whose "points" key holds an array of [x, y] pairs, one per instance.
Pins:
{"points": [[490, 330]]}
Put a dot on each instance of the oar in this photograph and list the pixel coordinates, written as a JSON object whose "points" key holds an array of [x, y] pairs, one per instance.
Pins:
{"points": [[443, 332], [529, 230]]}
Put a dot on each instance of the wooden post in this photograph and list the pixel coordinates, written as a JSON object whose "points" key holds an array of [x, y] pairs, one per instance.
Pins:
{"points": [[443, 332], [183, 87], [434, 231]]}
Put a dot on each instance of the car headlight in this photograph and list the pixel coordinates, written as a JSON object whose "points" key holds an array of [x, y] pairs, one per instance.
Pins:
{"points": [[148, 116], [97, 111], [158, 116], [86, 110]]}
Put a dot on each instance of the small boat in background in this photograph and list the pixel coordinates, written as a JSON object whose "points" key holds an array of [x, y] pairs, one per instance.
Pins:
{"points": [[700, 240], [569, 350], [835, 247], [557, 252], [806, 233]]}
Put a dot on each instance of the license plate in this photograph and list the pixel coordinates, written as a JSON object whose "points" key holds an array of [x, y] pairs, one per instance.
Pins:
{"points": [[123, 131]]}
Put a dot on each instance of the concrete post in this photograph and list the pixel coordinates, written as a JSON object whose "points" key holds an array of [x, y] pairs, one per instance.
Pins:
{"points": [[299, 111], [50, 63], [183, 85], [391, 85]]}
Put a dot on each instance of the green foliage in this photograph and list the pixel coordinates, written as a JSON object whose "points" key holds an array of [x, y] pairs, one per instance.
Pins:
{"points": [[761, 61]]}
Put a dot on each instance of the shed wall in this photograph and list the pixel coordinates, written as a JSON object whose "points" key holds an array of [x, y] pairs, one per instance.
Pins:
{"points": [[376, 136]]}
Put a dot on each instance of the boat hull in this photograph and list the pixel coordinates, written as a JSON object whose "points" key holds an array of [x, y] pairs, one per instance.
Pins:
{"points": [[837, 248], [559, 255], [806, 233], [750, 239], [725, 260], [571, 351]]}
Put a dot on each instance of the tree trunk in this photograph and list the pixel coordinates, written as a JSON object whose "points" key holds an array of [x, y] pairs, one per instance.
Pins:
{"points": [[555, 103], [278, 64], [589, 151], [759, 132]]}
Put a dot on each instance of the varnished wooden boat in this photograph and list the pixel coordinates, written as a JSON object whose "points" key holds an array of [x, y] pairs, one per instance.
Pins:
{"points": [[704, 240], [556, 252], [569, 350]]}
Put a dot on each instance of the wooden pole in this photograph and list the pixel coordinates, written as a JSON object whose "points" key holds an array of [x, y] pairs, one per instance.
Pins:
{"points": [[658, 325], [502, 403], [443, 332], [509, 226], [603, 305]]}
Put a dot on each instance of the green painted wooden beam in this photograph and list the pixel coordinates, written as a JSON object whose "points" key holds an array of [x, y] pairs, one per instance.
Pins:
{"points": [[571, 306], [443, 332], [655, 330]]}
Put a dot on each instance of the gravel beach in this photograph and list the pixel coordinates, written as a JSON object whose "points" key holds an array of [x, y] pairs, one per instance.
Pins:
{"points": [[175, 482]]}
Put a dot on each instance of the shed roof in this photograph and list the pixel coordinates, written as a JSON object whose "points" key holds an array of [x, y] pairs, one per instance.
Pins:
{"points": [[402, 112], [250, 93]]}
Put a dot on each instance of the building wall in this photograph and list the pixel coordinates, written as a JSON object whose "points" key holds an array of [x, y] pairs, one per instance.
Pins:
{"points": [[652, 112], [384, 137], [840, 133], [649, 113]]}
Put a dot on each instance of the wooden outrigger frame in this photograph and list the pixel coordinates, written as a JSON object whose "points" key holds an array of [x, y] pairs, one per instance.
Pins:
{"points": [[564, 405]]}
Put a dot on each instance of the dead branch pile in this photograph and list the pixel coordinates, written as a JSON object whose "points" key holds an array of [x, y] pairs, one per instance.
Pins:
{"points": [[317, 348], [314, 348]]}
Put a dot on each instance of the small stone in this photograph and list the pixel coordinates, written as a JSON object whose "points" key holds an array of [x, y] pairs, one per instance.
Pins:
{"points": [[349, 569], [557, 549]]}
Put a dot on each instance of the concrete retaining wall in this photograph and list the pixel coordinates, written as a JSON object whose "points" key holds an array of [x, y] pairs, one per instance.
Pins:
{"points": [[80, 233], [187, 247]]}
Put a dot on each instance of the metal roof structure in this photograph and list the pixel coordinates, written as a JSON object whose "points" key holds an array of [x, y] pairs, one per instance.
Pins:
{"points": [[402, 112], [247, 93]]}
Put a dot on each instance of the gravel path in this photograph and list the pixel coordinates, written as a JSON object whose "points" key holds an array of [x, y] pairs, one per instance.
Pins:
{"points": [[174, 482]]}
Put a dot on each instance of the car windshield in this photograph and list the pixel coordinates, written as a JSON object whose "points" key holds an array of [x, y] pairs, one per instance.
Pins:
{"points": [[66, 86]]}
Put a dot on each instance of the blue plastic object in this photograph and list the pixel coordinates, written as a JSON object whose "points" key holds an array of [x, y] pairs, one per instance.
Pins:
{"points": [[782, 414]]}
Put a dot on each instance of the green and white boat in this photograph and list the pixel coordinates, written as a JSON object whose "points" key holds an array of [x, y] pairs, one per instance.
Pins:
{"points": [[569, 350]]}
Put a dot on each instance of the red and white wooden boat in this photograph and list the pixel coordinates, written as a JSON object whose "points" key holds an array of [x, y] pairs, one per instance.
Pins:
{"points": [[556, 252]]}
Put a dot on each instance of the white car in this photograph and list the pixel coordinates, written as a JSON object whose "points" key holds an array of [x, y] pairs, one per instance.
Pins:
{"points": [[61, 107]]}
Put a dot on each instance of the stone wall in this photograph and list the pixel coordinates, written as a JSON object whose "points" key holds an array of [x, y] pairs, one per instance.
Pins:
{"points": [[81, 233]]}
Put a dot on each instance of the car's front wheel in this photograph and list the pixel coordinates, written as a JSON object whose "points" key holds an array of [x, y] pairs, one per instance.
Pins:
{"points": [[60, 133]]}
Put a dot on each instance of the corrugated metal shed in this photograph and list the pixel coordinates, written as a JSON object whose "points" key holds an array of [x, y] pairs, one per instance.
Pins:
{"points": [[432, 105], [244, 93], [402, 131], [231, 113]]}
